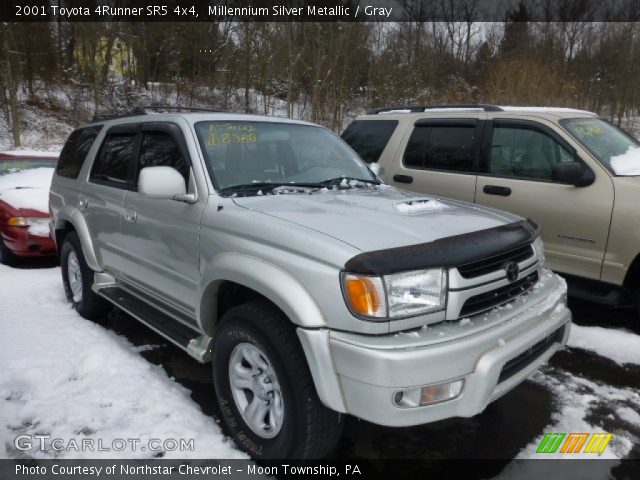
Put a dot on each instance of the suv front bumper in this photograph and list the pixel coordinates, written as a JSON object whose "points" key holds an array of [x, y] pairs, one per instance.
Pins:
{"points": [[370, 370]]}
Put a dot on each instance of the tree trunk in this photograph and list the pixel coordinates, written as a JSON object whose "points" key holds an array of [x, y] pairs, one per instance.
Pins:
{"points": [[11, 84]]}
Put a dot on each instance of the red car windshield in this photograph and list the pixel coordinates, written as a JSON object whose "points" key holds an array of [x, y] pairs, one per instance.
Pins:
{"points": [[15, 164]]}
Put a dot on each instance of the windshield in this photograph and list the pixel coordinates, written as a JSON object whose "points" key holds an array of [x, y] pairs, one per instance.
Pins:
{"points": [[13, 165], [252, 157], [616, 150]]}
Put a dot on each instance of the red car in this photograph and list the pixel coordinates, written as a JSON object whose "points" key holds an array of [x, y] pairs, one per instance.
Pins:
{"points": [[25, 178]]}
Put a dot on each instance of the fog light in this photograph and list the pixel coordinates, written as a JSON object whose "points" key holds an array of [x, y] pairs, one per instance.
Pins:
{"points": [[429, 395], [440, 393]]}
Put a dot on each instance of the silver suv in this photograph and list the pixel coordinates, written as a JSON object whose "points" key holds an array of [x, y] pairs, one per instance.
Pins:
{"points": [[267, 247]]}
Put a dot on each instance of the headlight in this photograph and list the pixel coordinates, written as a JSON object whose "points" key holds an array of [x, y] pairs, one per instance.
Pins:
{"points": [[18, 221], [26, 221], [538, 247], [399, 295]]}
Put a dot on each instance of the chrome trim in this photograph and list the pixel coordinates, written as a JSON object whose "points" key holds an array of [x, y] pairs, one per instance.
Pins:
{"points": [[458, 282], [457, 298]]}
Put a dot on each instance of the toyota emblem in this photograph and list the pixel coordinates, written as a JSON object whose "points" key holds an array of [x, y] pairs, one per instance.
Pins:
{"points": [[513, 270]]}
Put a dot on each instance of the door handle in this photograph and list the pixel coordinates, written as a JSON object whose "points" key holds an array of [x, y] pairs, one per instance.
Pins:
{"points": [[496, 190], [82, 205], [130, 216], [403, 178]]}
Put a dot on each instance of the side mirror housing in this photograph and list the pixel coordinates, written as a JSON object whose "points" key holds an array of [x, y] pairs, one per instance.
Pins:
{"points": [[573, 173], [161, 182]]}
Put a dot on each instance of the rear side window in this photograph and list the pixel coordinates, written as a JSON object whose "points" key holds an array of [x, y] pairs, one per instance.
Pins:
{"points": [[75, 151], [160, 150], [369, 137], [112, 164], [441, 147]]}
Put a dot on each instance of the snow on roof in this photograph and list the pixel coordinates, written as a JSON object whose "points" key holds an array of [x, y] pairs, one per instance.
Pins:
{"points": [[27, 189], [29, 153]]}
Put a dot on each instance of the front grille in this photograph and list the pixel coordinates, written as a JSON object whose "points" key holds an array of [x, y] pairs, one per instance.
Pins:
{"points": [[491, 264], [516, 364], [488, 300]]}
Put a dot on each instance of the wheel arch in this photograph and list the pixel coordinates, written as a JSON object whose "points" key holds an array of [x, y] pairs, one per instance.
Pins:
{"points": [[73, 221], [229, 272]]}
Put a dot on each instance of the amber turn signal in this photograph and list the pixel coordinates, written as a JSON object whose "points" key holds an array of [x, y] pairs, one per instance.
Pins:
{"points": [[365, 295]]}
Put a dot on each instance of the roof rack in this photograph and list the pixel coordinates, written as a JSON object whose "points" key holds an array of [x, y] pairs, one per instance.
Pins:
{"points": [[422, 108], [133, 113], [177, 107], [143, 111]]}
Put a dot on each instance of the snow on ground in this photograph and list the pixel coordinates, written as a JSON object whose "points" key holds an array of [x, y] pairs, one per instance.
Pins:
{"points": [[618, 345], [577, 399], [27, 188], [70, 378], [42, 129]]}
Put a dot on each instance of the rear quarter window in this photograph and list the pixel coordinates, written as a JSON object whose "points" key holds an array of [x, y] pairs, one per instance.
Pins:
{"points": [[441, 147], [369, 137], [75, 151]]}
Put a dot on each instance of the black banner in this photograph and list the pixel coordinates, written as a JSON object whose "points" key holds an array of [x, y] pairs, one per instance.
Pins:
{"points": [[320, 10], [355, 469]]}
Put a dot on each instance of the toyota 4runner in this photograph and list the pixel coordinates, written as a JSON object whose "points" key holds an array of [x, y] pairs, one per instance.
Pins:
{"points": [[267, 247], [571, 171]]}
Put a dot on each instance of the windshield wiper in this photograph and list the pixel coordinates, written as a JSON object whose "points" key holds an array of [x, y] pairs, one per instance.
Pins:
{"points": [[268, 186], [339, 180], [248, 188]]}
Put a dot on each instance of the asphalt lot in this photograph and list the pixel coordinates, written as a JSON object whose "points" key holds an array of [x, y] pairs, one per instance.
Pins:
{"points": [[526, 409], [503, 430]]}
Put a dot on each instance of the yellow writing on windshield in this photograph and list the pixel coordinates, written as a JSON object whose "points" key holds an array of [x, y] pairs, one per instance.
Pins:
{"points": [[588, 129], [225, 133]]}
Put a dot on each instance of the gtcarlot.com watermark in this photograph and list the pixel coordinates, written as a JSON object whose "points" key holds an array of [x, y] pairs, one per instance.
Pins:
{"points": [[47, 443]]}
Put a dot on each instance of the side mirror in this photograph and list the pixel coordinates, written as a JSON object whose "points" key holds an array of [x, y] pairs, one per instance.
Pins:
{"points": [[573, 173], [161, 182]]}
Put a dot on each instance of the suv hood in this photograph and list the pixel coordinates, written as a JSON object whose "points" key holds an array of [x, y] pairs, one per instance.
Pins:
{"points": [[376, 218]]}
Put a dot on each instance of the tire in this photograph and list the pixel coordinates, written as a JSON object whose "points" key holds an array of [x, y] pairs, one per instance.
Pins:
{"points": [[7, 257], [78, 288], [297, 424]]}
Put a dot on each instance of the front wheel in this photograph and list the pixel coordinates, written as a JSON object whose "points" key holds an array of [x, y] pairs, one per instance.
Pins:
{"points": [[264, 387], [77, 278]]}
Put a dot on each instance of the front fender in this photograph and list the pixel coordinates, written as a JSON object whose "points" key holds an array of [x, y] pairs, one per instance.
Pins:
{"points": [[271, 281], [75, 218]]}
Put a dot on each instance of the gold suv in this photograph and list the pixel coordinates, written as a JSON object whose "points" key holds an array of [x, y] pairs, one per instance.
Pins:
{"points": [[571, 171]]}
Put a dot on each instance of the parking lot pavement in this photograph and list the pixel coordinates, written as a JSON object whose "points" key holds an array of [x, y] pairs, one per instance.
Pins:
{"points": [[578, 391]]}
